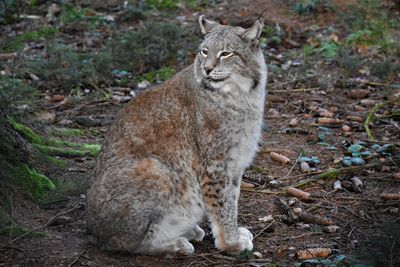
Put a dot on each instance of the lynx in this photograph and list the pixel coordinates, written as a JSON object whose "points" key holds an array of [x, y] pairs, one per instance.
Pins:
{"points": [[177, 152]]}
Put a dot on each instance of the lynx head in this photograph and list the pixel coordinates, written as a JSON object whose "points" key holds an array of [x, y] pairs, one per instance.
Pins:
{"points": [[229, 58]]}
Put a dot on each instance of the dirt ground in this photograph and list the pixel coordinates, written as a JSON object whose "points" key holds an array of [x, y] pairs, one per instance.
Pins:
{"points": [[354, 220]]}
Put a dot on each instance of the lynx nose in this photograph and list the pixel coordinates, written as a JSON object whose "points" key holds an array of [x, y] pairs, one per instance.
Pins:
{"points": [[208, 69]]}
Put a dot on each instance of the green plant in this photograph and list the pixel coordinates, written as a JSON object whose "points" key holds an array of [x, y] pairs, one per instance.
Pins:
{"points": [[8, 11], [36, 184], [159, 75], [13, 230], [17, 43], [150, 48], [328, 49], [370, 24], [311, 6], [65, 68], [16, 95]]}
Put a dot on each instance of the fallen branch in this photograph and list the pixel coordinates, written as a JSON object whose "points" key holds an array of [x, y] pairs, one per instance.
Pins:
{"points": [[265, 228], [295, 90], [370, 118], [49, 222], [334, 173]]}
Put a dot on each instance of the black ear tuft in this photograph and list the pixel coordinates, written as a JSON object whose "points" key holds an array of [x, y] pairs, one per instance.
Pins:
{"points": [[206, 25]]}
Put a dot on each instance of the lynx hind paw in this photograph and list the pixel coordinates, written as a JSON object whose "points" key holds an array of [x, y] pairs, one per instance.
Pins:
{"points": [[198, 234], [245, 239], [183, 246]]}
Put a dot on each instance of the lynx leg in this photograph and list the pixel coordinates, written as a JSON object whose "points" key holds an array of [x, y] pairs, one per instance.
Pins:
{"points": [[179, 245], [221, 199], [159, 240]]}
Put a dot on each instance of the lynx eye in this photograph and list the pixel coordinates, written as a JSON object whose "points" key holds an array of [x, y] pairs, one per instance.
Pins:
{"points": [[225, 54], [204, 52]]}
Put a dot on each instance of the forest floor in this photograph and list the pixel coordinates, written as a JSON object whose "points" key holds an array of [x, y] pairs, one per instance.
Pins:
{"points": [[318, 100]]}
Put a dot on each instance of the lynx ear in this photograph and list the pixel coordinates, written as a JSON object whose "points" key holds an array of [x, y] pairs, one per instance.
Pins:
{"points": [[254, 32], [206, 25]]}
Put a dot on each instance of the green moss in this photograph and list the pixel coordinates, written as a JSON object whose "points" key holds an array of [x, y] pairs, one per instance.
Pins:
{"points": [[36, 184], [60, 151], [14, 231], [67, 132], [60, 163], [27, 132], [94, 149], [56, 147]]}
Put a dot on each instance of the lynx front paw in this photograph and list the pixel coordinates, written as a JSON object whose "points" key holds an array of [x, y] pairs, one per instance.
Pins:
{"points": [[183, 246], [245, 239]]}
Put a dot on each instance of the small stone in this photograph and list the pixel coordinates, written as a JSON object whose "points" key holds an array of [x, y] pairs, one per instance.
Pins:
{"points": [[337, 185], [331, 229], [267, 218], [346, 128], [257, 254], [325, 113], [120, 99], [396, 176], [393, 210], [52, 11], [297, 210], [293, 122], [386, 169], [305, 167], [303, 226], [273, 113], [143, 84], [358, 93]]}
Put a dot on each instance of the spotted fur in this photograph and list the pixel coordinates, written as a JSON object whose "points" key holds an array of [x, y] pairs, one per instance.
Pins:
{"points": [[178, 151]]}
